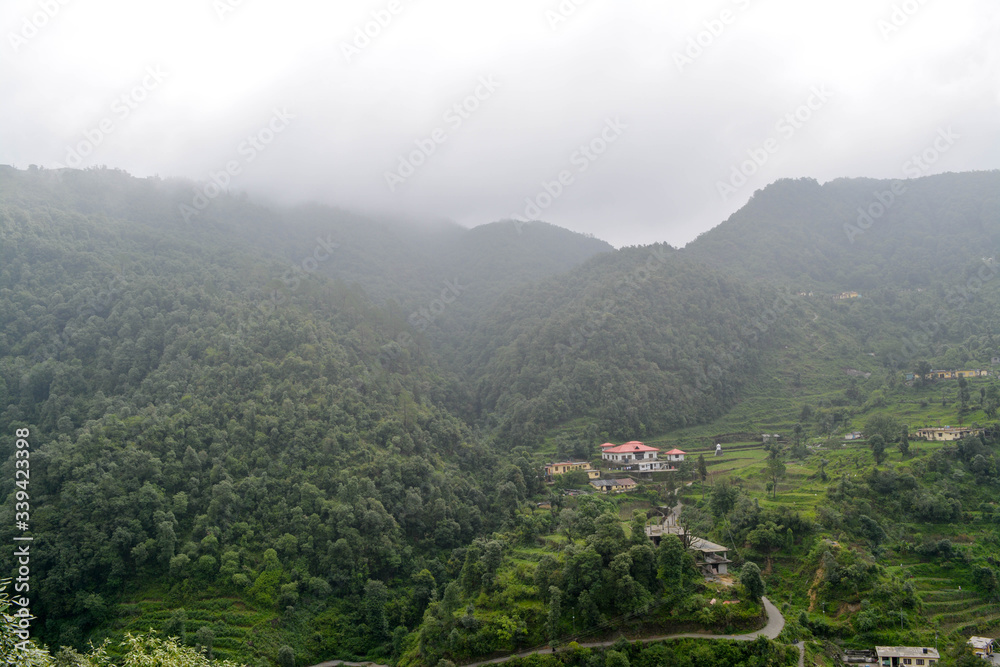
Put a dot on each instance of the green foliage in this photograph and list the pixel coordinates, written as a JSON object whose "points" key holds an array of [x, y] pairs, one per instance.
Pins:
{"points": [[752, 581]]}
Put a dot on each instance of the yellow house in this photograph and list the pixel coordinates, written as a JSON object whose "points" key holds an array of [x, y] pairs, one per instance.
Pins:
{"points": [[982, 647], [947, 433], [571, 466]]}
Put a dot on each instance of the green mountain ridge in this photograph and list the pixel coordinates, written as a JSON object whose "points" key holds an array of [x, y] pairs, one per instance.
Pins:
{"points": [[311, 428]]}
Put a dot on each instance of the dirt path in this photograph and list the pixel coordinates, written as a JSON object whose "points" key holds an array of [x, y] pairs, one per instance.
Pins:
{"points": [[775, 624]]}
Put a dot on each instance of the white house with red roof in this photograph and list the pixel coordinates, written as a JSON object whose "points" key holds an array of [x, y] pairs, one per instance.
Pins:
{"points": [[637, 456]]}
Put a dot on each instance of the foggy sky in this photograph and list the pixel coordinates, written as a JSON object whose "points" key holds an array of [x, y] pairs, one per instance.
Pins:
{"points": [[641, 108]]}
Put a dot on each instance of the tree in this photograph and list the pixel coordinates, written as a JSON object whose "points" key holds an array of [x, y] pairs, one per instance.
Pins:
{"points": [[752, 581], [286, 656], [904, 441], [702, 468], [963, 396], [723, 499], [375, 599], [776, 472], [766, 538], [205, 638], [877, 445], [992, 401], [175, 625], [670, 561], [615, 659], [555, 612], [884, 425], [921, 370]]}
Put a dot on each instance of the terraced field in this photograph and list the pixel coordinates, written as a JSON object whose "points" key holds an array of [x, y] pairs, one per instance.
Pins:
{"points": [[236, 626]]}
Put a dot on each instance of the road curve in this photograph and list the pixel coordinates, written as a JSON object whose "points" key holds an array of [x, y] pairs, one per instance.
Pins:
{"points": [[775, 624]]}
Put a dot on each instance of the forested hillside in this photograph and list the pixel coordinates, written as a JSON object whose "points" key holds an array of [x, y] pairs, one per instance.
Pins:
{"points": [[642, 341], [859, 234], [304, 431], [194, 435]]}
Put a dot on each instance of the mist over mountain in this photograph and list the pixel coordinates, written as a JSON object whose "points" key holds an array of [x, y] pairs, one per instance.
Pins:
{"points": [[303, 424]]}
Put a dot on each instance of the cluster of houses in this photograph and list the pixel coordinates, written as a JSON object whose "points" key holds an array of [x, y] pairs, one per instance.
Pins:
{"points": [[914, 656], [631, 456], [636, 456], [932, 434], [951, 375], [894, 656]]}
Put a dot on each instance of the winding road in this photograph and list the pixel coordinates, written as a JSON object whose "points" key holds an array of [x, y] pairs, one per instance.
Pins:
{"points": [[775, 624]]}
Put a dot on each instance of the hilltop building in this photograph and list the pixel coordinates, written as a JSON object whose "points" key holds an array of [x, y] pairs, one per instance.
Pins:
{"points": [[637, 456]]}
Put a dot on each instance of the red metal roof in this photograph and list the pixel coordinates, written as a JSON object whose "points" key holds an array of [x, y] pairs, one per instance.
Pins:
{"points": [[631, 447], [607, 444], [676, 451]]}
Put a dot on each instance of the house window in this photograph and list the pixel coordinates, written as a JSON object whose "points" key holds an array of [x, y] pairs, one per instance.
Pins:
{"points": [[907, 661], [920, 661]]}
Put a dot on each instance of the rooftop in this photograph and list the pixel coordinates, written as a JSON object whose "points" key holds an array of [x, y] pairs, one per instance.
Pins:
{"points": [[630, 447], [979, 642], [906, 652], [699, 544]]}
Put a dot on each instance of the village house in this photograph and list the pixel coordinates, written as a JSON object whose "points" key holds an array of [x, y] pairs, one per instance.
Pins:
{"points": [[636, 456], [906, 656], [843, 296], [982, 647], [710, 557], [947, 433], [856, 435], [554, 469], [614, 485]]}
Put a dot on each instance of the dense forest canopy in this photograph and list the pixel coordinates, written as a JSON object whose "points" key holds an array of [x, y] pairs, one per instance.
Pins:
{"points": [[333, 426]]}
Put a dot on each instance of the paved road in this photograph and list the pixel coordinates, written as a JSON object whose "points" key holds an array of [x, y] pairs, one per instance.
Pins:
{"points": [[775, 624]]}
